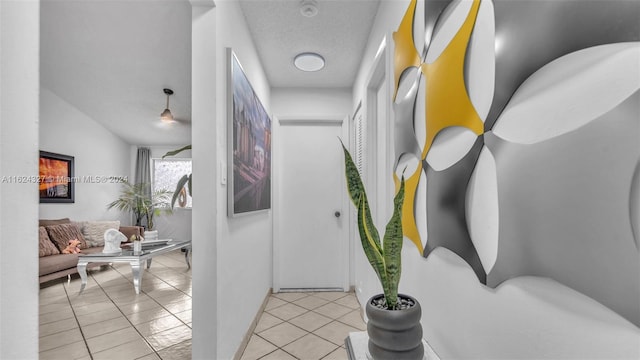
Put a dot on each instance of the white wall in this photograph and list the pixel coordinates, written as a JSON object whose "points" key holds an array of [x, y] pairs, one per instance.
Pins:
{"points": [[329, 102], [98, 154], [244, 242], [232, 256], [19, 74], [204, 154]]}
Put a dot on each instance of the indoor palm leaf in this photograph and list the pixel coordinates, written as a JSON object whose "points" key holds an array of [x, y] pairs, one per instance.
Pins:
{"points": [[135, 198]]}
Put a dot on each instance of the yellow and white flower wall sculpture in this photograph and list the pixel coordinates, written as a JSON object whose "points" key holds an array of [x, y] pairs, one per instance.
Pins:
{"points": [[518, 124]]}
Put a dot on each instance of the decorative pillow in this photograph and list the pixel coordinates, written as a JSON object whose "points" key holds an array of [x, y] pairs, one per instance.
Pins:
{"points": [[93, 231], [61, 234], [44, 222], [45, 244]]}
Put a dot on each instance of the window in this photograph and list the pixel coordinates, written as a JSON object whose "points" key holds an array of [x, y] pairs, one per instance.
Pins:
{"points": [[167, 173]]}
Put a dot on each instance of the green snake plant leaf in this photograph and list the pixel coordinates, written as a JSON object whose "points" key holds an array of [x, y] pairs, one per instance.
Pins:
{"points": [[369, 239], [392, 244], [356, 191]]}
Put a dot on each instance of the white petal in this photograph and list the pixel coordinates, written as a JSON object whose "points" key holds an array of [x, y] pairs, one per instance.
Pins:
{"points": [[570, 92], [449, 146], [448, 25], [481, 61], [482, 210]]}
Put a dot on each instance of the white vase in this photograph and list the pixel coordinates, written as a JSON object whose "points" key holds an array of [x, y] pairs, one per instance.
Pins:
{"points": [[151, 235]]}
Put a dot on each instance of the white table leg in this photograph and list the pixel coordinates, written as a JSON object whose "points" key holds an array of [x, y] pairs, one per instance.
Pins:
{"points": [[136, 270], [82, 270]]}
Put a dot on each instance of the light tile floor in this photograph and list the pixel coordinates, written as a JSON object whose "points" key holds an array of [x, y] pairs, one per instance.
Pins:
{"points": [[305, 326], [109, 321]]}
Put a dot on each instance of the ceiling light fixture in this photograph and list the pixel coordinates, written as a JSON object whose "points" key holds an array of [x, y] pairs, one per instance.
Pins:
{"points": [[309, 8], [166, 115], [309, 62]]}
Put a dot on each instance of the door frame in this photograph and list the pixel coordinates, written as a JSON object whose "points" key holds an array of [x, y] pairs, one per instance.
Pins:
{"points": [[304, 120]]}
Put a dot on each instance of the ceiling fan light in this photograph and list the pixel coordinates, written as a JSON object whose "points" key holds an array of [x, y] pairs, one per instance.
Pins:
{"points": [[166, 115], [309, 62]]}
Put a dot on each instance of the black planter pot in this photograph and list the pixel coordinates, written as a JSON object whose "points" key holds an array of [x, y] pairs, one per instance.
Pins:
{"points": [[395, 334]]}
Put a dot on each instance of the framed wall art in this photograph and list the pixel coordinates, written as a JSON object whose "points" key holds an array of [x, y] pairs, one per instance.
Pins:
{"points": [[249, 144], [56, 178]]}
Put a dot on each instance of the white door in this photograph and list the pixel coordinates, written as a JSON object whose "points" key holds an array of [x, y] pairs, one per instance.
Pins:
{"points": [[310, 214]]}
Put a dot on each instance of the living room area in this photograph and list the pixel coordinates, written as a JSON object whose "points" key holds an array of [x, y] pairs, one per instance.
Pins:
{"points": [[98, 86]]}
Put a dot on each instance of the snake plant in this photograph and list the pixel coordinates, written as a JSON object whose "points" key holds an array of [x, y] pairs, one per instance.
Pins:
{"points": [[385, 257]]}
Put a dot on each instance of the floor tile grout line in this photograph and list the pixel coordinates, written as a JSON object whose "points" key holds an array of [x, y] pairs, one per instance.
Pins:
{"points": [[292, 341], [84, 339], [331, 318], [281, 349], [127, 318], [104, 291]]}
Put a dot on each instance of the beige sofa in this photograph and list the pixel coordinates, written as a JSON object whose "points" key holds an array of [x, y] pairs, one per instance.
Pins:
{"points": [[54, 236]]}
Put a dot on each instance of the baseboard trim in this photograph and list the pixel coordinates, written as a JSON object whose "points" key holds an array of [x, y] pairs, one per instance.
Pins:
{"points": [[252, 327]]}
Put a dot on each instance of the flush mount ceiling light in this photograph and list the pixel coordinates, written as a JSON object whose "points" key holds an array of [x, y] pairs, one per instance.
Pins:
{"points": [[166, 115], [309, 61], [309, 8]]}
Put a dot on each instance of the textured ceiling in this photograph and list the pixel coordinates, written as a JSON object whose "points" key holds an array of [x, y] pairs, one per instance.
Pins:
{"points": [[339, 32], [111, 59]]}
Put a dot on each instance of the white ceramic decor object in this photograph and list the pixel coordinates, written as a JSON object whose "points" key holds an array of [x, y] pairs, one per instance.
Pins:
{"points": [[570, 92], [482, 210], [112, 240]]}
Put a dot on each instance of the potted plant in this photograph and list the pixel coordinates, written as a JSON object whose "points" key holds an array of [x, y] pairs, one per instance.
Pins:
{"points": [[394, 319], [135, 199]]}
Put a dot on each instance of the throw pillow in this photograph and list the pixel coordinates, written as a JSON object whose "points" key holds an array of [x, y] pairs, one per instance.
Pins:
{"points": [[44, 222], [93, 231], [45, 244], [61, 234]]}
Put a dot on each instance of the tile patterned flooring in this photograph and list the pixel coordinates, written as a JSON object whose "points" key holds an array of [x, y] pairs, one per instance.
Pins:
{"points": [[109, 321], [305, 326]]}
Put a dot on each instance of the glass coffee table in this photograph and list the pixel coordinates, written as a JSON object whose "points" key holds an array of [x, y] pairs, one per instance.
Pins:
{"points": [[134, 258]]}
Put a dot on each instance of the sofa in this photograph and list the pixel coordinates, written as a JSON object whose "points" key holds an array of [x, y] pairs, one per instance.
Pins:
{"points": [[54, 236]]}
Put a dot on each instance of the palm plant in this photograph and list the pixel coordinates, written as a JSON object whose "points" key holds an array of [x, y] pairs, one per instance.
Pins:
{"points": [[135, 199], [385, 257]]}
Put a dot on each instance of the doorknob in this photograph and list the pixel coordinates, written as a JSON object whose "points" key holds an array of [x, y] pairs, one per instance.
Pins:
{"points": [[337, 214]]}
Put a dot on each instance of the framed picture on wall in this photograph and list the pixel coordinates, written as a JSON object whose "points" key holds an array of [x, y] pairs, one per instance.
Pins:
{"points": [[249, 144], [55, 181]]}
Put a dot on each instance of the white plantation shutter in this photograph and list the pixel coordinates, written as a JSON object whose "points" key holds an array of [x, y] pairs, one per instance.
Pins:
{"points": [[360, 134]]}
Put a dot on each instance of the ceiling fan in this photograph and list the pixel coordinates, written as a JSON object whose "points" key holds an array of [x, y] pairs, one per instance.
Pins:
{"points": [[166, 117]]}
